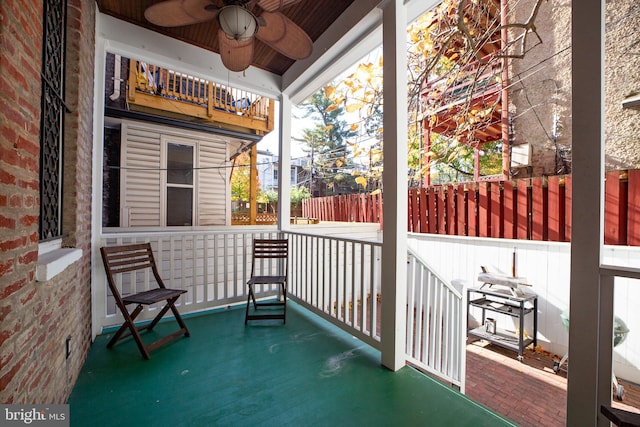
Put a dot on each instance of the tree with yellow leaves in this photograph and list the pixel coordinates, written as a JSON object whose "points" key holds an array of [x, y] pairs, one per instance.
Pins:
{"points": [[455, 52]]}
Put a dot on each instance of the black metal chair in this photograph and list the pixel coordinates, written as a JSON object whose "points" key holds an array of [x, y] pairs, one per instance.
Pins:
{"points": [[269, 266], [127, 258]]}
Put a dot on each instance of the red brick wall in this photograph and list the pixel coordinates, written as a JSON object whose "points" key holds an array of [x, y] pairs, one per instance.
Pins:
{"points": [[37, 317]]}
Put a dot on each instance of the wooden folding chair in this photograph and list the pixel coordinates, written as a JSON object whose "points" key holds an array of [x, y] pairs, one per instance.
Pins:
{"points": [[122, 259], [269, 266]]}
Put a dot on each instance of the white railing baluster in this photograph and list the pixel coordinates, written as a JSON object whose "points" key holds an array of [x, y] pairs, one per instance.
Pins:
{"points": [[225, 268], [324, 274], [172, 263], [205, 269], [363, 294], [439, 347]]}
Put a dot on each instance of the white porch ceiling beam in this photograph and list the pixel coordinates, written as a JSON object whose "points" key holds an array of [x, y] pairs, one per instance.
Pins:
{"points": [[353, 35], [356, 32]]}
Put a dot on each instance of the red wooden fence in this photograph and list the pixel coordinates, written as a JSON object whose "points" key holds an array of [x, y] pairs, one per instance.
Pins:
{"points": [[532, 209], [346, 208]]}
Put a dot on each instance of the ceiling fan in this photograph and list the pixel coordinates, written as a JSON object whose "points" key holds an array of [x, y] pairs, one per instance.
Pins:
{"points": [[237, 26]]}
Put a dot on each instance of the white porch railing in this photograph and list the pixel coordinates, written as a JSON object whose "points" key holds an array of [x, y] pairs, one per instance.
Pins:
{"points": [[338, 279], [213, 266], [334, 277], [436, 334]]}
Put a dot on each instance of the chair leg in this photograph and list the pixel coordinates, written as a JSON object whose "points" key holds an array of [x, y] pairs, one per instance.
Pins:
{"points": [[160, 315], [178, 318], [128, 324], [246, 313], [284, 294], [253, 297], [134, 331], [266, 314]]}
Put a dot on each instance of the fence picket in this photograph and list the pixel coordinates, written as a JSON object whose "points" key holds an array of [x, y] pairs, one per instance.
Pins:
{"points": [[509, 210], [633, 210], [451, 210], [495, 200], [461, 212]]}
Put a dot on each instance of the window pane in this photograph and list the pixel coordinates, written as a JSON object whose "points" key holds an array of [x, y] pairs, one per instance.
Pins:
{"points": [[179, 206], [179, 164]]}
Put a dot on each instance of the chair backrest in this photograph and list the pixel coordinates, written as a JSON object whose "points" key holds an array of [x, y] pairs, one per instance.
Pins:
{"points": [[270, 249], [122, 259]]}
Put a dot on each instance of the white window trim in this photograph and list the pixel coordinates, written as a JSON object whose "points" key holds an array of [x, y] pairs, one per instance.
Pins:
{"points": [[165, 141]]}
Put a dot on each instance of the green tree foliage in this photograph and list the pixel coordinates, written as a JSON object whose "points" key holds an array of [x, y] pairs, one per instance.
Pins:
{"points": [[458, 44], [240, 178], [455, 162], [329, 146], [270, 199], [298, 194]]}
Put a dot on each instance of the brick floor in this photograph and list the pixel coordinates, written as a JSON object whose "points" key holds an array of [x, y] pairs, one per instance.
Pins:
{"points": [[527, 392]]}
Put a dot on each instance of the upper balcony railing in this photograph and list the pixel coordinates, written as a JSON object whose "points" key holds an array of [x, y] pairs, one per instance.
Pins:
{"points": [[470, 95], [169, 91], [468, 85]]}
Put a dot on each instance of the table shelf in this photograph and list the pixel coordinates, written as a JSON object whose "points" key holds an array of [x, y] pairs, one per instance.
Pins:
{"points": [[503, 302]]}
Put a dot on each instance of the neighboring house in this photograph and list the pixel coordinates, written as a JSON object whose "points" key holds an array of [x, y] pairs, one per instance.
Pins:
{"points": [[168, 145], [531, 96], [268, 171], [540, 94]]}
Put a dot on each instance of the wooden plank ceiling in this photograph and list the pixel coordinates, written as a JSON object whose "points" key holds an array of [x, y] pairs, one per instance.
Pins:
{"points": [[313, 16]]}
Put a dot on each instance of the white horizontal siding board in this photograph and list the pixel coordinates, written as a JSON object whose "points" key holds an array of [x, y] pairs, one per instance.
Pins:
{"points": [[213, 182], [140, 189]]}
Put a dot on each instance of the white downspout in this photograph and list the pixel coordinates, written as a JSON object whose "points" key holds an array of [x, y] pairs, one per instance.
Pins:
{"points": [[116, 78]]}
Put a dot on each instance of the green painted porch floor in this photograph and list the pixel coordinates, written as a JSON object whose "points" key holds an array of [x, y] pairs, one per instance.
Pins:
{"points": [[304, 373]]}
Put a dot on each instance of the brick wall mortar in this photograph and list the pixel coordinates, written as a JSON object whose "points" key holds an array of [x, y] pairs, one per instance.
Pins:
{"points": [[36, 317]]}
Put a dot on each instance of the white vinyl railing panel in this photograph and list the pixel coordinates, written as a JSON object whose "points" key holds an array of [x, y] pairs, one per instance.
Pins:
{"points": [[338, 279], [436, 335]]}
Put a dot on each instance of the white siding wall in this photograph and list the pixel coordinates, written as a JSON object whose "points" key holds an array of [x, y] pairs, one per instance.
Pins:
{"points": [[141, 178], [213, 189]]}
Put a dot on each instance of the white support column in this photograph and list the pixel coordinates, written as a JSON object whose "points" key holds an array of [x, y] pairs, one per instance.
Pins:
{"points": [[585, 385], [98, 280], [284, 164], [394, 182]]}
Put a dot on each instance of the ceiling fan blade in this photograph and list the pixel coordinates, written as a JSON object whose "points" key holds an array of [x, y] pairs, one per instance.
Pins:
{"points": [[273, 5], [176, 13], [236, 55], [284, 35]]}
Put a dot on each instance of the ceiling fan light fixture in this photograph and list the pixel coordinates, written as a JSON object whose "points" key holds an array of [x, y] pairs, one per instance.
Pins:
{"points": [[237, 22]]}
